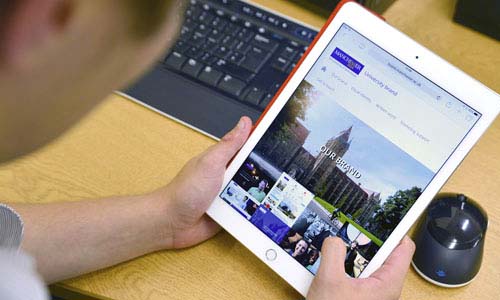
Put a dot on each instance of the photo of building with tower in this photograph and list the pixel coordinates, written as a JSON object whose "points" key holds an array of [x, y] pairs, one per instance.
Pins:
{"points": [[311, 122], [320, 174]]}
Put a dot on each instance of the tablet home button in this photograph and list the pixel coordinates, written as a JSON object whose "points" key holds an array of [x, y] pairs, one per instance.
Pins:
{"points": [[271, 254]]}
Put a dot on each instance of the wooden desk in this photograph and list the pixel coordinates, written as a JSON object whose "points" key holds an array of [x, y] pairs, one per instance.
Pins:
{"points": [[123, 148]]}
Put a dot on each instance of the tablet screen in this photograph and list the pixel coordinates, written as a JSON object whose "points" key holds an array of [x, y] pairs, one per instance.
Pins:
{"points": [[348, 155]]}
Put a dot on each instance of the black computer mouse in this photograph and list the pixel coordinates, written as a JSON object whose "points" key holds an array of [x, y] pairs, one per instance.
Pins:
{"points": [[450, 240]]}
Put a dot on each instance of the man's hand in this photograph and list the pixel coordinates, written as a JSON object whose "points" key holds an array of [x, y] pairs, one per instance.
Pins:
{"points": [[191, 192], [386, 283]]}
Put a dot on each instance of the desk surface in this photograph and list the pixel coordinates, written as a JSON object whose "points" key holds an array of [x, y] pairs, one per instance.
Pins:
{"points": [[123, 148]]}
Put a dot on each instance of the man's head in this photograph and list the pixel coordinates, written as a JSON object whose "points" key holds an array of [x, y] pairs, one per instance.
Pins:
{"points": [[59, 58], [262, 184], [313, 256]]}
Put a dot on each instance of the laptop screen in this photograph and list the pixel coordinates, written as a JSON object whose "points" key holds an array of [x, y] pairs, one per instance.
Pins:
{"points": [[348, 155]]}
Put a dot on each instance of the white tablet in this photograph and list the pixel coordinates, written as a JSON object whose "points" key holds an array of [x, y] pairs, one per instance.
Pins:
{"points": [[363, 134]]}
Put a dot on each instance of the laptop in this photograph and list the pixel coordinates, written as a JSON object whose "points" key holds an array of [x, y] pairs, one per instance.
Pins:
{"points": [[229, 60]]}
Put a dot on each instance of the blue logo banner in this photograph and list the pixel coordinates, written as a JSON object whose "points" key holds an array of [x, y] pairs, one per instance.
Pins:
{"points": [[347, 61]]}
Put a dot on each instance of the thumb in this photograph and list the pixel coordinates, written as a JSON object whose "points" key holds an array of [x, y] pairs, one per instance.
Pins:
{"points": [[396, 266], [333, 254], [220, 154]]}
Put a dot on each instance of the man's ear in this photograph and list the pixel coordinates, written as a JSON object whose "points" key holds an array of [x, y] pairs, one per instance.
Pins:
{"points": [[31, 23]]}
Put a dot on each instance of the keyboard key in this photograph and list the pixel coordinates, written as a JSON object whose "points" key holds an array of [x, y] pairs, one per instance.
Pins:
{"points": [[185, 33], [222, 52], [210, 46], [254, 95], [242, 47], [260, 15], [254, 60], [235, 57], [272, 20], [280, 64], [264, 43], [207, 6], [248, 24], [192, 67], [278, 37], [175, 60], [215, 36], [247, 10], [206, 18], [203, 29], [234, 18], [245, 35], [220, 63], [288, 53], [193, 12], [267, 99], [193, 52], [219, 24], [232, 29], [302, 32], [236, 71], [199, 34], [252, 63], [257, 51], [231, 85], [208, 58], [181, 46], [196, 40], [220, 12], [189, 23], [229, 41], [210, 76]]}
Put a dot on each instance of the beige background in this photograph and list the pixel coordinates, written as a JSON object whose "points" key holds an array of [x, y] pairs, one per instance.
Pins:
{"points": [[123, 148]]}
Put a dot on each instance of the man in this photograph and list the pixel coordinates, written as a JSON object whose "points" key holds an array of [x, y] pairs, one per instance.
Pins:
{"points": [[352, 252], [258, 191], [58, 59]]}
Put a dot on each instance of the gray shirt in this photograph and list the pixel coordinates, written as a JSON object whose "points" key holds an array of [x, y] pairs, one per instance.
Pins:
{"points": [[18, 277]]}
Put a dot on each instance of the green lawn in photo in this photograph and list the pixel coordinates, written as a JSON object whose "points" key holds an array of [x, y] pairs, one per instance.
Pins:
{"points": [[343, 218]]}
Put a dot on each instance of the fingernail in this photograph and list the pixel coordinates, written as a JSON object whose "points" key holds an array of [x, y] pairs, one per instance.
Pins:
{"points": [[241, 124]]}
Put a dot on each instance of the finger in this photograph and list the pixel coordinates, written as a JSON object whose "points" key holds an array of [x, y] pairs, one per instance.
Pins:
{"points": [[221, 153], [396, 266], [333, 254]]}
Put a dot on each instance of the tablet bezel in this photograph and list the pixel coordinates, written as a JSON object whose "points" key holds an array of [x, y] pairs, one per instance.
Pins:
{"points": [[415, 56]]}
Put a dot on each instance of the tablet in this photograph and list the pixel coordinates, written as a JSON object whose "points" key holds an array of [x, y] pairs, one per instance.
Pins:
{"points": [[359, 139]]}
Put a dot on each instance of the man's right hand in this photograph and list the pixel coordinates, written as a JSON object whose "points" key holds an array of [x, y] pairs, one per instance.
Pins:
{"points": [[331, 282]]}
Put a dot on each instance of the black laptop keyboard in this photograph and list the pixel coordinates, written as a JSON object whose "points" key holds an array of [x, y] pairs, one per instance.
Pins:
{"points": [[238, 49]]}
